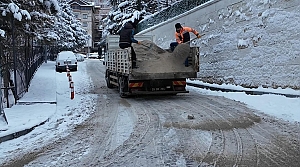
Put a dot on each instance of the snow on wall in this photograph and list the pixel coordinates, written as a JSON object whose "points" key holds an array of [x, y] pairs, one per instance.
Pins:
{"points": [[247, 42]]}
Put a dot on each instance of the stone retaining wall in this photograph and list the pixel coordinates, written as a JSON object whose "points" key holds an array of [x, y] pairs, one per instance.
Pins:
{"points": [[250, 43]]}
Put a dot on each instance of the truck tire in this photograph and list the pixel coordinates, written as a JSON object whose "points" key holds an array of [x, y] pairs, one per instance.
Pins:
{"points": [[122, 85], [107, 78]]}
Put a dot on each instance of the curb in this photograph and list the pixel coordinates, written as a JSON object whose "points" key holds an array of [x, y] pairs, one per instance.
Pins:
{"points": [[40, 102], [248, 92], [20, 133], [25, 131]]}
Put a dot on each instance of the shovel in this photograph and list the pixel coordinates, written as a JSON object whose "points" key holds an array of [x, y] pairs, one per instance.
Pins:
{"points": [[193, 39], [149, 47]]}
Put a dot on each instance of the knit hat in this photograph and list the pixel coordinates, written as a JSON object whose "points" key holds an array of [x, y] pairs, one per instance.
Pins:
{"points": [[177, 25], [134, 24]]}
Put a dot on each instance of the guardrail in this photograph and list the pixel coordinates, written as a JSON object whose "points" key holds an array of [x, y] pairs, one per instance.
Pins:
{"points": [[170, 12]]}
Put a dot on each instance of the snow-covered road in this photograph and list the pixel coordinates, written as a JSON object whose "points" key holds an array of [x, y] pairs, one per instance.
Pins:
{"points": [[155, 131]]}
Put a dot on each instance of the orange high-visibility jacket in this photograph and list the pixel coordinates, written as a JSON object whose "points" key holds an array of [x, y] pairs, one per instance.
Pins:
{"points": [[180, 36]]}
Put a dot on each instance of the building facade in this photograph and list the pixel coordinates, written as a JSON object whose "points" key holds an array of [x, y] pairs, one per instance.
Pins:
{"points": [[91, 14]]}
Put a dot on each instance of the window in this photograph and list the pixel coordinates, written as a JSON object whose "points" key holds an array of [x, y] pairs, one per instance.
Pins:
{"points": [[84, 16], [84, 24], [75, 7], [85, 8], [76, 15]]}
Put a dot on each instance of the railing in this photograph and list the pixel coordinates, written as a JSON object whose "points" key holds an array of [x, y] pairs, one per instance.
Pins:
{"points": [[27, 61], [170, 12]]}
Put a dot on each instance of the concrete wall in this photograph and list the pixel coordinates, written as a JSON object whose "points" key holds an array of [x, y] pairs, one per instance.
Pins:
{"points": [[247, 42]]}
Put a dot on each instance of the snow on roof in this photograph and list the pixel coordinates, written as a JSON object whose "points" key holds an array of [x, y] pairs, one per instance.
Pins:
{"points": [[66, 55]]}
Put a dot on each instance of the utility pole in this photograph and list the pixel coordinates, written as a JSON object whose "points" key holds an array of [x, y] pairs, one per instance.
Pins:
{"points": [[90, 29], [88, 49]]}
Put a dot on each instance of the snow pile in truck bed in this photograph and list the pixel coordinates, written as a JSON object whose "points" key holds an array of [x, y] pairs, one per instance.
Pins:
{"points": [[153, 59]]}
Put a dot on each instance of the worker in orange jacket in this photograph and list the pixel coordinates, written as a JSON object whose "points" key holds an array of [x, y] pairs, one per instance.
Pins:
{"points": [[182, 35]]}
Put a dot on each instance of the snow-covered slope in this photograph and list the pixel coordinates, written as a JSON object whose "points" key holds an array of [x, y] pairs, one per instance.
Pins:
{"points": [[247, 42]]}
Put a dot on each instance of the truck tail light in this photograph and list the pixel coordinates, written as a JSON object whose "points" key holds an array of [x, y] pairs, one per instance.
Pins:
{"points": [[179, 83], [136, 84]]}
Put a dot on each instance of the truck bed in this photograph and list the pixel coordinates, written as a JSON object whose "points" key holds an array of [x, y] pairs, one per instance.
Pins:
{"points": [[155, 62]]}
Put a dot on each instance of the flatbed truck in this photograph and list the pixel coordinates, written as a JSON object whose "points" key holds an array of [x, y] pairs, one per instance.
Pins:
{"points": [[160, 71]]}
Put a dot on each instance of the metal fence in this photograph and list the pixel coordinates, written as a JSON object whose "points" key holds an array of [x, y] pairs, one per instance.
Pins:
{"points": [[18, 66], [170, 12]]}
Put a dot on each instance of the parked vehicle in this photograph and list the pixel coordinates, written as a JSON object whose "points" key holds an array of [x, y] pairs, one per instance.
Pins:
{"points": [[92, 55], [79, 56], [160, 71], [64, 59]]}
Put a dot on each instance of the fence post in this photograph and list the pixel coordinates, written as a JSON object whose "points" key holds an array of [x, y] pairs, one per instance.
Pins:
{"points": [[15, 59], [2, 113], [45, 52]]}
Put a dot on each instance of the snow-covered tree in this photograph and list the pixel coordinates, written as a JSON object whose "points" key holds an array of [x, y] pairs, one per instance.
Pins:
{"points": [[166, 3], [131, 10], [46, 20], [127, 10], [27, 28], [67, 30]]}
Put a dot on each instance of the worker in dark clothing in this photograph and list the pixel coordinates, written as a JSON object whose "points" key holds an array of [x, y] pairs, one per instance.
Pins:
{"points": [[182, 35], [127, 38]]}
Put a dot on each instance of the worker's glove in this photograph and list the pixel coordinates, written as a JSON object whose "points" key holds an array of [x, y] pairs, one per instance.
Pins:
{"points": [[198, 36], [139, 42]]}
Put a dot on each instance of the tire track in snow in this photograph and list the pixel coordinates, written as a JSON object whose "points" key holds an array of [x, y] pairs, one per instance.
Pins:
{"points": [[144, 132]]}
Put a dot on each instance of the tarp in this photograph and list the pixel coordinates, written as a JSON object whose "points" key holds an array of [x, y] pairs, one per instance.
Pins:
{"points": [[153, 59]]}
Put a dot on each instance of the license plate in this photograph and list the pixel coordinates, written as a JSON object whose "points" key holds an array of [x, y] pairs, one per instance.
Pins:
{"points": [[67, 62]]}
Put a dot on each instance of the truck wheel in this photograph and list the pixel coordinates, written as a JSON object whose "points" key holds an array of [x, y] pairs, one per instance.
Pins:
{"points": [[107, 78], [122, 86]]}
